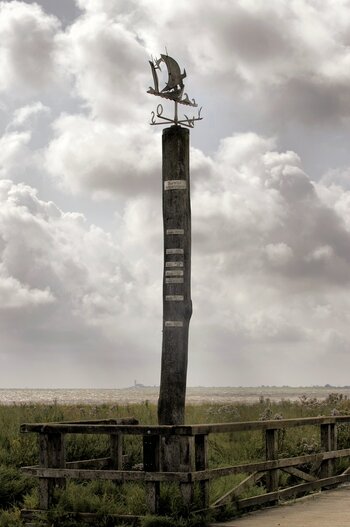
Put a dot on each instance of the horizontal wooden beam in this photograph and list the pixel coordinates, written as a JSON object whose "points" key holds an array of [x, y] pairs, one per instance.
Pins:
{"points": [[290, 492], [96, 427], [116, 421], [273, 464], [294, 491], [99, 462], [267, 425], [112, 475], [186, 477], [85, 517], [68, 428]]}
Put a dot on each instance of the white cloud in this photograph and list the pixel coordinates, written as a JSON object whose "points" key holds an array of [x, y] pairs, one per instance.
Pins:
{"points": [[23, 114], [103, 158], [27, 48], [108, 64], [14, 295], [13, 151]]}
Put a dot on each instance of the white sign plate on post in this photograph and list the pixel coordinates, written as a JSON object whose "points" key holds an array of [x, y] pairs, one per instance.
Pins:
{"points": [[174, 264], [174, 251], [177, 272], [175, 184], [174, 298], [174, 231], [173, 324]]}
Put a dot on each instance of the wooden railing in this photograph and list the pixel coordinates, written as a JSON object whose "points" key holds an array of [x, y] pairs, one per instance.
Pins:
{"points": [[179, 454]]}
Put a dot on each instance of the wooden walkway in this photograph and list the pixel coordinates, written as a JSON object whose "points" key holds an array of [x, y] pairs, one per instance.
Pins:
{"points": [[326, 509]]}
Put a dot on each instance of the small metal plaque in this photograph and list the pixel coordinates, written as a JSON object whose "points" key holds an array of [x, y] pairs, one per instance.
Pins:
{"points": [[173, 324], [174, 298], [174, 231], [174, 264], [174, 280], [174, 251], [175, 184], [178, 272]]}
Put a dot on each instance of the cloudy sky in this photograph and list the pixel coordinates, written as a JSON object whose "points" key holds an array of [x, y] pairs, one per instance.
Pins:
{"points": [[80, 191]]}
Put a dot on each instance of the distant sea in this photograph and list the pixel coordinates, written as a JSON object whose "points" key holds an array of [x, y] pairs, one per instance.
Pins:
{"points": [[139, 393]]}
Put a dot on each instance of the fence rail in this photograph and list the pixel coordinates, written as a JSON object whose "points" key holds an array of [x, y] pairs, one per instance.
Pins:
{"points": [[179, 454]]}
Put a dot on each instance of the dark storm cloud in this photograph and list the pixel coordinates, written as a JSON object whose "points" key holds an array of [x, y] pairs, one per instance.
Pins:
{"points": [[313, 101]]}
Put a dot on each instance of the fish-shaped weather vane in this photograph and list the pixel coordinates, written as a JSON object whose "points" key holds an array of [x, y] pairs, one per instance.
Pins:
{"points": [[173, 90]]}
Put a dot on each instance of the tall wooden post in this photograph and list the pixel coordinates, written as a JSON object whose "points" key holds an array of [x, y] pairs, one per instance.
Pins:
{"points": [[177, 304]]}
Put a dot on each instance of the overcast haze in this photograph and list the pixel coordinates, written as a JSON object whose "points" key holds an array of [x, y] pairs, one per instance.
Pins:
{"points": [[80, 191]]}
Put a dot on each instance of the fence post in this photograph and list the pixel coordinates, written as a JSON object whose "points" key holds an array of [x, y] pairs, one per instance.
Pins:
{"points": [[328, 443], [201, 453], [51, 455], [271, 453], [116, 451], [178, 455], [187, 464], [151, 463]]}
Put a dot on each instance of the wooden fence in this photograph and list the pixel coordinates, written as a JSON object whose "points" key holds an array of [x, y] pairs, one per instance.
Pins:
{"points": [[179, 454]]}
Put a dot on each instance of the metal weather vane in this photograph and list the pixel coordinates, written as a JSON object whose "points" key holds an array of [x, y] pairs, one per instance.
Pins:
{"points": [[173, 90]]}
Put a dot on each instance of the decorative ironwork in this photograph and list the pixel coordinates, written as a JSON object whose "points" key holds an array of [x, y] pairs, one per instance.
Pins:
{"points": [[174, 91]]}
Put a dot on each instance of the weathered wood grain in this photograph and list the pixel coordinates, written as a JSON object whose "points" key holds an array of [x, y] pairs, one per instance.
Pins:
{"points": [[165, 430], [112, 475], [271, 454], [177, 304], [328, 442], [201, 462], [261, 466], [299, 473], [151, 463], [51, 454], [85, 517]]}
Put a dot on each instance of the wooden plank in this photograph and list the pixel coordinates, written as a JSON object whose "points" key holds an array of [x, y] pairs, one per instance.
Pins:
{"points": [[328, 442], [53, 428], [201, 463], [116, 451], [181, 430], [268, 465], [187, 463], [218, 428], [51, 454], [113, 475], [271, 454], [85, 517], [289, 492], [151, 463], [299, 473], [100, 462], [238, 489], [117, 421]]}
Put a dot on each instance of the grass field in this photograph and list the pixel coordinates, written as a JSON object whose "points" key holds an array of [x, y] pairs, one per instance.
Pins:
{"points": [[18, 491]]}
